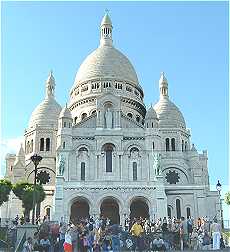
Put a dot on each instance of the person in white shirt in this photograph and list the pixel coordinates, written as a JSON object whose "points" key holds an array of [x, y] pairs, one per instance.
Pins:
{"points": [[215, 230]]}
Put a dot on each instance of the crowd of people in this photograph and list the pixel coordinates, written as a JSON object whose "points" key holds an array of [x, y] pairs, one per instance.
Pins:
{"points": [[139, 234]]}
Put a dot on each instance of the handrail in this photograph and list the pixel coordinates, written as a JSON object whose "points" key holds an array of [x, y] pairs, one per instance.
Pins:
{"points": [[21, 242]]}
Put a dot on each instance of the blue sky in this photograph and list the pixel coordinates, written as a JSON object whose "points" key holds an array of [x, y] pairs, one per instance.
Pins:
{"points": [[187, 40]]}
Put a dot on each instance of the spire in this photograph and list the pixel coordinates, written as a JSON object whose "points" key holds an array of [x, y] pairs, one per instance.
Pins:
{"points": [[163, 84], [106, 30], [50, 85], [20, 155]]}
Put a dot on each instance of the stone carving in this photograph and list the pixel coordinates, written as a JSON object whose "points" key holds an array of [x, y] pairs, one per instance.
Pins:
{"points": [[108, 119], [157, 164], [61, 164]]}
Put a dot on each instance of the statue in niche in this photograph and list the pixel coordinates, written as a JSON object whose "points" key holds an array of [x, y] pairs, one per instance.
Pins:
{"points": [[108, 119], [157, 164], [61, 164]]}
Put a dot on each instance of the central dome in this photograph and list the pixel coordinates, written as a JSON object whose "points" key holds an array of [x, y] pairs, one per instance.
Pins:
{"points": [[106, 62]]}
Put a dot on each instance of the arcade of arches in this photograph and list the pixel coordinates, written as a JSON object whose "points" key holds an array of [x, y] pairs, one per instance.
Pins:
{"points": [[109, 207]]}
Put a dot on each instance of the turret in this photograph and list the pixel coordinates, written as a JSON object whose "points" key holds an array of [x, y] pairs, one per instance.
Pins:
{"points": [[65, 122]]}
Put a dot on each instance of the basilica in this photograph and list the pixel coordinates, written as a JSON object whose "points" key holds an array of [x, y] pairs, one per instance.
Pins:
{"points": [[106, 154]]}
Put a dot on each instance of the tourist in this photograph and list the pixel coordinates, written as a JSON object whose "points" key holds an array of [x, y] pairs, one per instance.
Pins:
{"points": [[45, 244], [206, 241], [184, 233], [27, 246], [164, 226], [68, 242], [194, 240], [215, 230], [115, 230], [158, 244], [136, 232]]}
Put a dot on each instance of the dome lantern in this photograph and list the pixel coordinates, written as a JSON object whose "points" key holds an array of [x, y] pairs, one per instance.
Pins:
{"points": [[50, 85], [163, 84], [106, 31]]}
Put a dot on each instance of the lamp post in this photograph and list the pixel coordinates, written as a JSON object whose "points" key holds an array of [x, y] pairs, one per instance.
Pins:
{"points": [[36, 159], [218, 188]]}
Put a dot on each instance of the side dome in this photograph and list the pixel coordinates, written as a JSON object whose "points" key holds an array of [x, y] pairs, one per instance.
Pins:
{"points": [[106, 62], [65, 112], [168, 114], [47, 112]]}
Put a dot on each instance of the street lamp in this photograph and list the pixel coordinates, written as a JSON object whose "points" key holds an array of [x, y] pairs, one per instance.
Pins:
{"points": [[36, 159], [218, 188]]}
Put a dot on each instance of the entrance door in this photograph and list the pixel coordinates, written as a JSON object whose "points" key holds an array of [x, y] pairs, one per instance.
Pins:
{"points": [[139, 208], [79, 210], [110, 209]]}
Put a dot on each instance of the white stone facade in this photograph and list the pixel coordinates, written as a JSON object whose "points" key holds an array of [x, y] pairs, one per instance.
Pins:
{"points": [[104, 145]]}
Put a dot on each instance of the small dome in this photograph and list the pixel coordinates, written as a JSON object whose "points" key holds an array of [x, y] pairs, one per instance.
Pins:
{"points": [[46, 113], [106, 62], [65, 112], [168, 114], [151, 114]]}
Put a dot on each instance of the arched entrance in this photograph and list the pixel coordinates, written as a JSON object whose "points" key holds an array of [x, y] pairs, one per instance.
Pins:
{"points": [[139, 208], [110, 208], [79, 210]]}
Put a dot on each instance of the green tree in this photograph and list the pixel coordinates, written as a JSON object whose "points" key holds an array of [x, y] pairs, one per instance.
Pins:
{"points": [[5, 188], [25, 192], [227, 198]]}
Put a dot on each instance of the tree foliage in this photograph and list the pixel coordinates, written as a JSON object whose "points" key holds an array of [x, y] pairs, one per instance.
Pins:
{"points": [[227, 198], [5, 188], [26, 193], [19, 188]]}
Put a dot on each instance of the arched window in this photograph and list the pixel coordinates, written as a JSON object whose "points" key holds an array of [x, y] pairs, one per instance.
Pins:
{"points": [[48, 212], [83, 116], [152, 125], [138, 118], [178, 209], [42, 144], [63, 145], [134, 171], [47, 144], [169, 212], [173, 144], [93, 112], [147, 125], [32, 146], [28, 147], [167, 144], [82, 170], [185, 146], [153, 146], [130, 115], [108, 157], [64, 124], [75, 119], [188, 211], [182, 145]]}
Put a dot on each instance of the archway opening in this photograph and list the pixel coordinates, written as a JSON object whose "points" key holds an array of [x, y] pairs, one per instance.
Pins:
{"points": [[139, 208], [79, 210], [110, 209]]}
